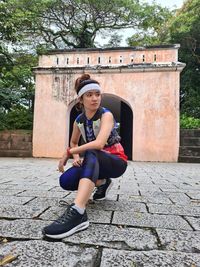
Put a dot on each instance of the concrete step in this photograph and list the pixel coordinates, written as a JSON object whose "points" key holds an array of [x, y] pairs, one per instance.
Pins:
{"points": [[16, 143], [189, 159], [190, 133], [190, 141], [189, 151]]}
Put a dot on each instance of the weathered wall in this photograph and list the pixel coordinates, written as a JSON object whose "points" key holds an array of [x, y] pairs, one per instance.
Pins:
{"points": [[150, 88]]}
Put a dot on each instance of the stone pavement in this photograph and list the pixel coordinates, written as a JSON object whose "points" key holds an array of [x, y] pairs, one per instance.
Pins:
{"points": [[151, 217]]}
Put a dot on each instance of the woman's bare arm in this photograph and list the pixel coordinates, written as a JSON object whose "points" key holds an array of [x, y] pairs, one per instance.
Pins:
{"points": [[106, 127], [75, 139], [73, 143]]}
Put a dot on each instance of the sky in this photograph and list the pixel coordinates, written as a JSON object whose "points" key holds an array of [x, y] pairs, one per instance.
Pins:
{"points": [[172, 4], [168, 3]]}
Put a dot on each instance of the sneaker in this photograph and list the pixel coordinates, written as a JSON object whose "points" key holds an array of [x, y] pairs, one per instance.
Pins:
{"points": [[102, 190], [69, 223]]}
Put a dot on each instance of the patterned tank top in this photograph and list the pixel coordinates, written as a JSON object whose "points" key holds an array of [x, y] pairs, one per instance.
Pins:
{"points": [[90, 128]]}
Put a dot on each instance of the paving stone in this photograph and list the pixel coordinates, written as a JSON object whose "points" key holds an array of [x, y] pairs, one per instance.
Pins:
{"points": [[4, 187], [150, 220], [117, 206], [129, 187], [124, 184], [185, 241], [179, 198], [168, 190], [155, 195], [41, 201], [9, 192], [58, 189], [45, 254], [23, 187], [174, 209], [99, 216], [112, 195], [195, 202], [194, 195], [96, 216], [152, 192], [116, 258], [195, 222], [194, 186], [115, 237], [18, 211], [173, 190], [15, 200], [148, 199], [43, 193], [21, 229]]}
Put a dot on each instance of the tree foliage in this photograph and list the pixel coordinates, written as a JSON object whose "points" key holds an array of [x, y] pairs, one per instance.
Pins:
{"points": [[180, 26], [16, 89], [154, 28], [76, 23], [185, 29], [27, 26]]}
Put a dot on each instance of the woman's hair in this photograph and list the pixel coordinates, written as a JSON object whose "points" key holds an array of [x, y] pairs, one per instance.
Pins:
{"points": [[82, 81]]}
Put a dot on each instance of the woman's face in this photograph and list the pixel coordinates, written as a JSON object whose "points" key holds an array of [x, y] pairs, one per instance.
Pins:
{"points": [[91, 100]]}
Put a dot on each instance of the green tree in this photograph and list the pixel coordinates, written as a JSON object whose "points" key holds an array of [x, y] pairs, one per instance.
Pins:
{"points": [[16, 89], [114, 41], [185, 29], [76, 23], [27, 26], [180, 26], [16, 78], [154, 28]]}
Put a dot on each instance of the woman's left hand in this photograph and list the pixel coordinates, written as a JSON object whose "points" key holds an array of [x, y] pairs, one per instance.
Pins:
{"points": [[77, 163]]}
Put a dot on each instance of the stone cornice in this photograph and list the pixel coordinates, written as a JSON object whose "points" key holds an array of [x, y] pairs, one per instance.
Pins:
{"points": [[132, 48], [144, 67]]}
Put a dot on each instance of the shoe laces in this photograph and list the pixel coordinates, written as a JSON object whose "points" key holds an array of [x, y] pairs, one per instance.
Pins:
{"points": [[67, 215], [63, 202]]}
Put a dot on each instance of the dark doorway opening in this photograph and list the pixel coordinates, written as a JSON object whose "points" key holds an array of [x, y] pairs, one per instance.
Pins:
{"points": [[126, 129], [123, 116], [74, 113]]}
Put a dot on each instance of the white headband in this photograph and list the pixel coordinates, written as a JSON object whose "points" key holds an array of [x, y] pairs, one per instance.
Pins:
{"points": [[89, 87]]}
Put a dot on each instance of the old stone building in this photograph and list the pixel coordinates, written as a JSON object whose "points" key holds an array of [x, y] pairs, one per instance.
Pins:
{"points": [[140, 86]]}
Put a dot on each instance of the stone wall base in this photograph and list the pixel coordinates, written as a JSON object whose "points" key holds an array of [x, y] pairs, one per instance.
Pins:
{"points": [[189, 150], [16, 143]]}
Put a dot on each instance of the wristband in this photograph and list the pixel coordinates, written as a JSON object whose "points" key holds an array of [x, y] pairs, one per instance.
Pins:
{"points": [[68, 152]]}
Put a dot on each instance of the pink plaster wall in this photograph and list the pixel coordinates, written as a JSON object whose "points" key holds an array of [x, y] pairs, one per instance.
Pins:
{"points": [[155, 107], [49, 131], [152, 94]]}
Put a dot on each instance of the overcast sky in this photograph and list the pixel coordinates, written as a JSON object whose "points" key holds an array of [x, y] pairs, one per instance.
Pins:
{"points": [[172, 4], [168, 3]]}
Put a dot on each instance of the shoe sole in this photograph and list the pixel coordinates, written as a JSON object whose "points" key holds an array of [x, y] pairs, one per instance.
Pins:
{"points": [[78, 228], [108, 189]]}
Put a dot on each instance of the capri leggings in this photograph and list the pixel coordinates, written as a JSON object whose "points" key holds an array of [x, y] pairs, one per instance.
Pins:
{"points": [[96, 165]]}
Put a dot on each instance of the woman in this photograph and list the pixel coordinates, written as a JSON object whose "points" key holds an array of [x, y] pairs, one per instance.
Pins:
{"points": [[103, 158]]}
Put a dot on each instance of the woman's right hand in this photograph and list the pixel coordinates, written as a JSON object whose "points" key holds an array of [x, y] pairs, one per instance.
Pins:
{"points": [[61, 164]]}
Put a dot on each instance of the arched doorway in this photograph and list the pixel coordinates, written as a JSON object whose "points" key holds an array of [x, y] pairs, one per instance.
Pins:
{"points": [[123, 116], [73, 114]]}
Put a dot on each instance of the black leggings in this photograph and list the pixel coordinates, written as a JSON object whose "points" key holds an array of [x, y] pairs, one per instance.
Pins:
{"points": [[96, 165]]}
